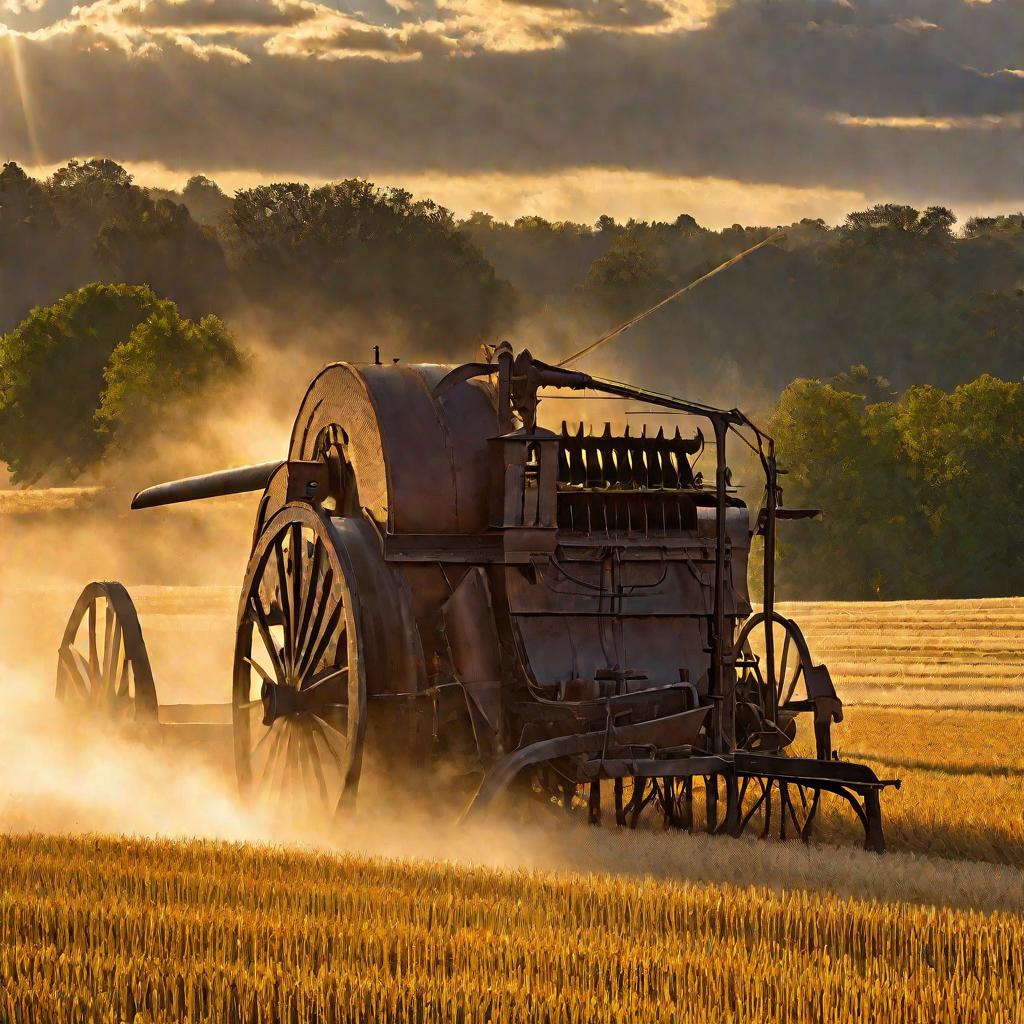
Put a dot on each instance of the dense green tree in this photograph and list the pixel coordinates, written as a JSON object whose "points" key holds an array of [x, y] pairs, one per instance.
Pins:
{"points": [[160, 245], [89, 222], [29, 240], [204, 199], [838, 454], [923, 495], [965, 450], [51, 377], [625, 281], [53, 369], [85, 195], [545, 260], [893, 288], [166, 359], [936, 221], [369, 251], [1010, 224], [860, 381]]}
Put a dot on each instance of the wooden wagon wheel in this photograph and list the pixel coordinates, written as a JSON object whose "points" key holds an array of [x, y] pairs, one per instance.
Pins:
{"points": [[774, 660], [299, 693], [102, 664]]}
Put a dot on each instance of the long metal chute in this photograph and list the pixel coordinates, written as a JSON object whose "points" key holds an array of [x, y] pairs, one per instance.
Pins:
{"points": [[209, 485], [633, 321]]}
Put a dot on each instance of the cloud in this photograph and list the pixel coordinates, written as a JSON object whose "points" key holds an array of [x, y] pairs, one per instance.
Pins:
{"points": [[936, 124], [17, 6], [205, 16], [603, 12], [866, 98]]}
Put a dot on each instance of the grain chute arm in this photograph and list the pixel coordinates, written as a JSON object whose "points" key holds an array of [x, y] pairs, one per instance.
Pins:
{"points": [[209, 485]]}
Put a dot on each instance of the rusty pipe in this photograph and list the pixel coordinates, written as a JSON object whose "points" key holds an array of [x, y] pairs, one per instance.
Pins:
{"points": [[210, 485]]}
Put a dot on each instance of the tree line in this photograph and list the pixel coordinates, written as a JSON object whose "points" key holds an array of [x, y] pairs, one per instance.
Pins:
{"points": [[289, 254], [116, 299], [903, 291]]}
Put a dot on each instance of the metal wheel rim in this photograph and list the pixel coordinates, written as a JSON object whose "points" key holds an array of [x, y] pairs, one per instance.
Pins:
{"points": [[791, 657]]}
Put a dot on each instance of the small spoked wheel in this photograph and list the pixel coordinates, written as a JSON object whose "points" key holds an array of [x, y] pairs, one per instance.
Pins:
{"points": [[299, 688], [774, 659], [777, 808], [102, 665]]}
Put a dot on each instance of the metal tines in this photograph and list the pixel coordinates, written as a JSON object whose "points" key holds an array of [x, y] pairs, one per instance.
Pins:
{"points": [[625, 462]]}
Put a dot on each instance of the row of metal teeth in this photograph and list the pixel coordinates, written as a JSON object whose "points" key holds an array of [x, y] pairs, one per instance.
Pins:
{"points": [[625, 461]]}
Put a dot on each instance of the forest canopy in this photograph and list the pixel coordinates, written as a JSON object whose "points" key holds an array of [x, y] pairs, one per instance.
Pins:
{"points": [[895, 339], [903, 291]]}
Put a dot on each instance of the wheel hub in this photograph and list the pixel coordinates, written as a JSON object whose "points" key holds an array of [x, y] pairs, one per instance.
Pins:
{"points": [[279, 701]]}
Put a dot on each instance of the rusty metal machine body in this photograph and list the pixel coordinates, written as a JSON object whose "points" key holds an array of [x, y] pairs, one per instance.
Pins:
{"points": [[438, 579]]}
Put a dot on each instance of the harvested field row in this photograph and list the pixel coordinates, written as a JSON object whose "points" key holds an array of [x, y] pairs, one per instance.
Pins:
{"points": [[298, 937], [923, 697]]}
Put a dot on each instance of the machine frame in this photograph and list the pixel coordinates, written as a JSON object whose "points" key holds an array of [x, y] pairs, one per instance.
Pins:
{"points": [[400, 583]]}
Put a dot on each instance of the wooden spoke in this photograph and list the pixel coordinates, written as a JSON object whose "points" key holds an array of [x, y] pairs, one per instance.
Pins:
{"points": [[273, 752], [295, 598], [781, 681], [85, 672], [108, 644], [322, 721], [266, 736], [262, 623], [316, 767], [286, 611], [321, 628], [94, 660], [285, 783], [74, 664], [263, 673], [312, 588], [314, 655], [319, 681]]}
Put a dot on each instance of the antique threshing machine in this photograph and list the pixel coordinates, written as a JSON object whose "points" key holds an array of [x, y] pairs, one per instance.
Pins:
{"points": [[474, 604]]}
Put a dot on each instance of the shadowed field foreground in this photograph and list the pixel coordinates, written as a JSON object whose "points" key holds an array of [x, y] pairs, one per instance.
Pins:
{"points": [[150, 931]]}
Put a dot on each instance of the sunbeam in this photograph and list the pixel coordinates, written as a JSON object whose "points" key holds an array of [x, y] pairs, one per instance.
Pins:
{"points": [[12, 52]]}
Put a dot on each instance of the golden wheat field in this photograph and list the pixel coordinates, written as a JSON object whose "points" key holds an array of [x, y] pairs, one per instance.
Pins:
{"points": [[143, 931], [580, 925]]}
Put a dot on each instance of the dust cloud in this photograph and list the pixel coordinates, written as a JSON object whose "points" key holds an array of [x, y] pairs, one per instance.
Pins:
{"points": [[65, 772]]}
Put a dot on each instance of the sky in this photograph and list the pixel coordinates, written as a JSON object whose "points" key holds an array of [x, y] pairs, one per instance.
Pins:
{"points": [[751, 111]]}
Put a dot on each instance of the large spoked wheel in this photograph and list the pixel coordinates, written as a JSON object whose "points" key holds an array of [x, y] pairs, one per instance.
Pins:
{"points": [[102, 665], [773, 665], [299, 695]]}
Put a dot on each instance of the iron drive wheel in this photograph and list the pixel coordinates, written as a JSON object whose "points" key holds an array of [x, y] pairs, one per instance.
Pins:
{"points": [[299, 687], [773, 664], [102, 664]]}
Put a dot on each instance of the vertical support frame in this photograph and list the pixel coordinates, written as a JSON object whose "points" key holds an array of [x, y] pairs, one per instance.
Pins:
{"points": [[722, 674], [768, 598]]}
